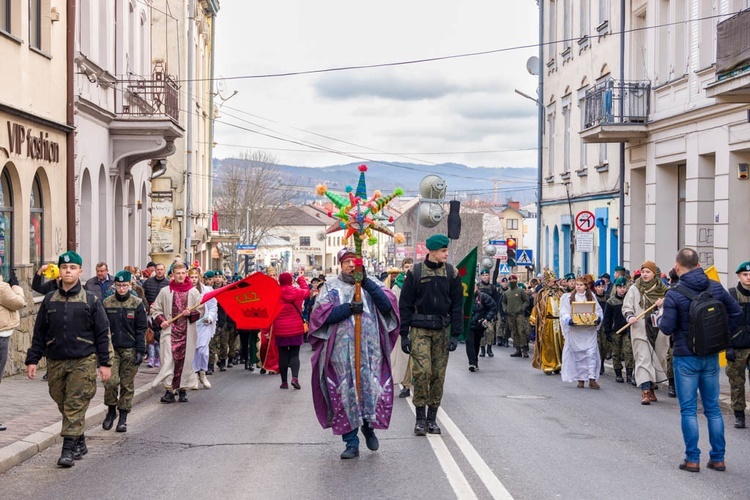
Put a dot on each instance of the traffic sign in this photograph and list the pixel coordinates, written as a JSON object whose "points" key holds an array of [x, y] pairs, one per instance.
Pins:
{"points": [[504, 269], [525, 257], [502, 250], [585, 221], [584, 242], [246, 249]]}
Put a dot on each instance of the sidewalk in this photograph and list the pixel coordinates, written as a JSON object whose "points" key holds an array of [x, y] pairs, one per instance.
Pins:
{"points": [[33, 420]]}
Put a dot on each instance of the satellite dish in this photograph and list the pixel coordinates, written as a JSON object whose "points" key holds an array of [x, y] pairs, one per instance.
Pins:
{"points": [[532, 65]]}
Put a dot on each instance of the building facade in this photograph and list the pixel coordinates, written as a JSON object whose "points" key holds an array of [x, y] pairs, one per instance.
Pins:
{"points": [[580, 59]]}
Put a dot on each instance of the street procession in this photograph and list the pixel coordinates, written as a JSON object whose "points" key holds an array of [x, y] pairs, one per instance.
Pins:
{"points": [[255, 261]]}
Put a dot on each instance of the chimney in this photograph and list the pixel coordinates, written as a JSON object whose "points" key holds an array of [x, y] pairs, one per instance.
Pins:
{"points": [[516, 205]]}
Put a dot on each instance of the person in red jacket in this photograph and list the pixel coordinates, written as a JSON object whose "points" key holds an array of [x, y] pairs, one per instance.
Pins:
{"points": [[289, 327]]}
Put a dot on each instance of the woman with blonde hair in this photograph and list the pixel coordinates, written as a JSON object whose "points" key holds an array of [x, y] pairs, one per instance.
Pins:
{"points": [[205, 327]]}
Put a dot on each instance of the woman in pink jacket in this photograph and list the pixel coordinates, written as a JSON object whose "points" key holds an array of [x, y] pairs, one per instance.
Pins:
{"points": [[288, 328]]}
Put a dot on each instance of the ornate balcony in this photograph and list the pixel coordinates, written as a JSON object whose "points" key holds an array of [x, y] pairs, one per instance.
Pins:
{"points": [[616, 111], [732, 82]]}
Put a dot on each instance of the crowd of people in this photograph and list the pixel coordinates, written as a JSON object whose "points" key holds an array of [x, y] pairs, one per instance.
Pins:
{"points": [[645, 323]]}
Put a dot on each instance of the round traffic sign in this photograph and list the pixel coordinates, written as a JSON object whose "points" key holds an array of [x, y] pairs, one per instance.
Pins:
{"points": [[585, 221]]}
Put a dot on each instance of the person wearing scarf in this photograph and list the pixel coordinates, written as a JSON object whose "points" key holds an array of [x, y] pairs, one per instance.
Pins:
{"points": [[400, 361], [580, 356], [545, 317], [180, 301], [649, 345]]}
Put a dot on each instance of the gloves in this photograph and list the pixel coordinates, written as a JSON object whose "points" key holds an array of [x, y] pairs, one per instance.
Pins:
{"points": [[356, 307], [571, 322], [730, 355], [453, 344], [406, 344], [13, 280], [138, 358]]}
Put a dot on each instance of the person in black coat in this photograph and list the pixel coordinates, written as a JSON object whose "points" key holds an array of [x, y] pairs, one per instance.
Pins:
{"points": [[485, 310]]}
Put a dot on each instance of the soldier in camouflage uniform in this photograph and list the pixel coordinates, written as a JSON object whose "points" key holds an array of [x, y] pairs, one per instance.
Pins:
{"points": [[738, 355], [128, 322], [622, 349], [515, 301], [431, 306], [488, 339], [600, 294], [72, 331], [502, 328]]}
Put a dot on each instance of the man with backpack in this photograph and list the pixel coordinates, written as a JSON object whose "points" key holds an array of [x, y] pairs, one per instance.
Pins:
{"points": [[738, 354], [698, 314], [431, 306]]}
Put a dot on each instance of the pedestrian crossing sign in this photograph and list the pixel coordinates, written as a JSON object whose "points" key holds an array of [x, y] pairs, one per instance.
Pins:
{"points": [[524, 258], [504, 269]]}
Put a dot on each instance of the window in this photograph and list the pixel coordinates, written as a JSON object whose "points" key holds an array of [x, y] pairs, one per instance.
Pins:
{"points": [[5, 13], [6, 226], [407, 239], [566, 139], [585, 21], [584, 146], [511, 223], [36, 229], [552, 37], [304, 241], [567, 23], [603, 11], [551, 143], [35, 24], [603, 154]]}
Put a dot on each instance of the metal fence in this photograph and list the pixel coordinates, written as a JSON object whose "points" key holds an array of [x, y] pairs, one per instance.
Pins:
{"points": [[156, 97], [617, 103]]}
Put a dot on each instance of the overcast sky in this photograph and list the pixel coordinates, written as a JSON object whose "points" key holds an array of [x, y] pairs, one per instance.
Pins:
{"points": [[451, 106]]}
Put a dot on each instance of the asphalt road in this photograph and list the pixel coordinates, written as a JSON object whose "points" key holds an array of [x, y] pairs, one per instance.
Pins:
{"points": [[508, 431]]}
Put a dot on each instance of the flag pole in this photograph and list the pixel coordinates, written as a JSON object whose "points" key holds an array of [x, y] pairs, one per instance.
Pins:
{"points": [[358, 276]]}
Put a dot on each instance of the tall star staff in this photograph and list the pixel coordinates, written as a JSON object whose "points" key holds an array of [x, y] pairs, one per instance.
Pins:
{"points": [[359, 216]]}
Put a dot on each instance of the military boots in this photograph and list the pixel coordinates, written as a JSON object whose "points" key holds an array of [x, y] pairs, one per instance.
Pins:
{"points": [[481, 352], [489, 350], [66, 458], [420, 428], [80, 448], [109, 420], [618, 377], [432, 426], [629, 376], [122, 424], [739, 419]]}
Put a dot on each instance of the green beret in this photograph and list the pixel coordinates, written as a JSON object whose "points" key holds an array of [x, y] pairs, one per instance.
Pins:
{"points": [[621, 269], [522, 286], [437, 241], [745, 266], [209, 274], [570, 276], [123, 277], [484, 271], [218, 272], [70, 257], [621, 281]]}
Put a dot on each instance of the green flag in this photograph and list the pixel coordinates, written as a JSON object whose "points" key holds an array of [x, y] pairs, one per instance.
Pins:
{"points": [[467, 270]]}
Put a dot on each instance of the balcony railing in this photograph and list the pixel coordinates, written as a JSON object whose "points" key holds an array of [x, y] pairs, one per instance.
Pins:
{"points": [[158, 97], [617, 103]]}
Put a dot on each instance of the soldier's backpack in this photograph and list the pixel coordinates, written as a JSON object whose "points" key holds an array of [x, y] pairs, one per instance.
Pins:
{"points": [[708, 328]]}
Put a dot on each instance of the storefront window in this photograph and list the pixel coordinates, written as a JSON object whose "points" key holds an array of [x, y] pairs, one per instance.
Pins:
{"points": [[6, 227], [36, 229]]}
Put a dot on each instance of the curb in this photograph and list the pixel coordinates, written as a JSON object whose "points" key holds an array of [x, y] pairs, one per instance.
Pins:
{"points": [[22, 450]]}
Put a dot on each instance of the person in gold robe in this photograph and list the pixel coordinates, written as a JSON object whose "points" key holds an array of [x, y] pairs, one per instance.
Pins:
{"points": [[545, 316]]}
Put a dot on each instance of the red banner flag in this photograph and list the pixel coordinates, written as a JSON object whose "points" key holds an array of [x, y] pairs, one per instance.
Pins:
{"points": [[252, 303]]}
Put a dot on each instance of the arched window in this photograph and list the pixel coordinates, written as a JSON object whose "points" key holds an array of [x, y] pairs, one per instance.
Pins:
{"points": [[6, 225], [36, 228]]}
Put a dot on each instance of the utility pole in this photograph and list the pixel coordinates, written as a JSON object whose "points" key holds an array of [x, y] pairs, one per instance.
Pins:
{"points": [[189, 134]]}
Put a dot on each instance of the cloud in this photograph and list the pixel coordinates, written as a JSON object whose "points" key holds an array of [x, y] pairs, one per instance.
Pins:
{"points": [[351, 86]]}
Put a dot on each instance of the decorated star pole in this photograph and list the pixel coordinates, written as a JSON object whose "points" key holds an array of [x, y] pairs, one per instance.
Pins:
{"points": [[359, 216]]}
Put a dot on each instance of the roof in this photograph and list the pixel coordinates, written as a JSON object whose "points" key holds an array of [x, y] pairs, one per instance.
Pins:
{"points": [[295, 216]]}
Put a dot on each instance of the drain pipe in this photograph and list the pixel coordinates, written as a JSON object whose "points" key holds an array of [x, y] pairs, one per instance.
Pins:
{"points": [[189, 134], [540, 139], [621, 225], [70, 157]]}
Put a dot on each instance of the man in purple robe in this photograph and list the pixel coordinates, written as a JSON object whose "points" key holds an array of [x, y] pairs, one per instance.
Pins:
{"points": [[338, 404]]}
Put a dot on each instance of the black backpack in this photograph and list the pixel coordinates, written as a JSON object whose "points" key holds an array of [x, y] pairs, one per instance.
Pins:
{"points": [[708, 328]]}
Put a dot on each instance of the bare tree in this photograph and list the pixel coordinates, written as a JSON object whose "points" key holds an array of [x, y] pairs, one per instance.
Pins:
{"points": [[249, 193]]}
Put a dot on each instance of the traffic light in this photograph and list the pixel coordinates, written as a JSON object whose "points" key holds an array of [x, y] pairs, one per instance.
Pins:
{"points": [[510, 243], [431, 211]]}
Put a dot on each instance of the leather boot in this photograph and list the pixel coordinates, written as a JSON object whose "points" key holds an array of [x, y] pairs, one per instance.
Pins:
{"points": [[109, 420], [671, 390], [739, 419], [432, 426], [221, 364], [489, 351], [481, 352], [204, 380], [182, 396], [618, 377], [168, 397], [517, 354], [629, 376], [66, 458], [420, 428], [80, 448], [210, 370], [525, 351], [371, 440], [122, 424]]}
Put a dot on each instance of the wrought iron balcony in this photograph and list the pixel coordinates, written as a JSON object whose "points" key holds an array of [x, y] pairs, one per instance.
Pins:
{"points": [[158, 97], [732, 83], [616, 111]]}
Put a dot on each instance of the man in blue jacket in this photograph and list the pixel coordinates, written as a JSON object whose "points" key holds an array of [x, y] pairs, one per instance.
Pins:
{"points": [[691, 371]]}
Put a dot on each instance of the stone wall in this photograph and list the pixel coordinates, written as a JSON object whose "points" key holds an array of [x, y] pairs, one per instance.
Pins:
{"points": [[20, 341]]}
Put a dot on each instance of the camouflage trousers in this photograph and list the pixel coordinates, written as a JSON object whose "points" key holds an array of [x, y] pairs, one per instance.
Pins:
{"points": [[604, 345], [670, 364], [429, 360], [519, 329], [72, 384], [122, 379], [233, 342], [219, 345], [737, 373], [622, 350], [489, 334]]}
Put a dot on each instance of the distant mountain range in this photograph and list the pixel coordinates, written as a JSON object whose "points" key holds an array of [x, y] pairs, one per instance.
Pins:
{"points": [[463, 182]]}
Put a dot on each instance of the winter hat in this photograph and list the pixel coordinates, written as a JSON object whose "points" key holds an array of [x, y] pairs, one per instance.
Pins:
{"points": [[621, 281], [285, 279], [437, 241], [744, 267], [651, 266], [70, 257], [599, 283]]}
